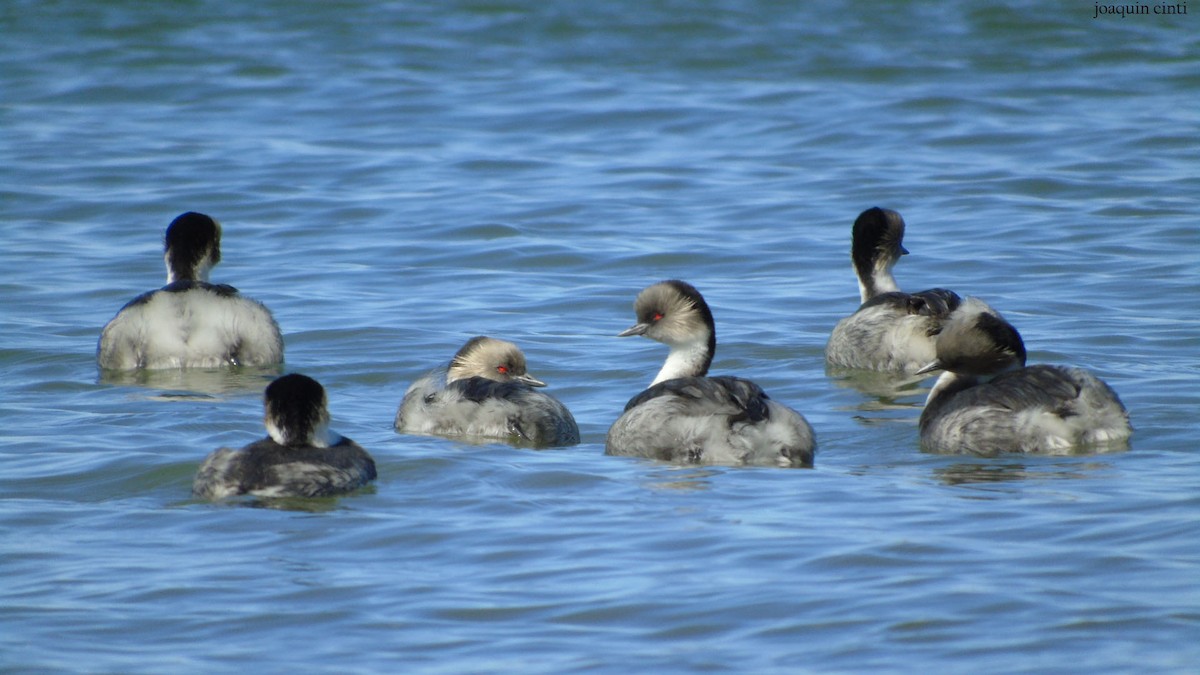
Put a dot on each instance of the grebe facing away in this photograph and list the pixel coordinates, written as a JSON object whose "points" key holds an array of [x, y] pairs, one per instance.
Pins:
{"points": [[486, 392], [689, 418], [1035, 409], [892, 330], [300, 457], [190, 323]]}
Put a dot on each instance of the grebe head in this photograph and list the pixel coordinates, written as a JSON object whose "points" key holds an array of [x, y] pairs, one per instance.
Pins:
{"points": [[977, 341], [674, 313], [192, 247], [875, 248], [296, 411], [493, 359]]}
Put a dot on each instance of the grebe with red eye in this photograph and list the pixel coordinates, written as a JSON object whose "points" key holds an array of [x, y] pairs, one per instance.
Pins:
{"points": [[486, 392], [687, 417]]}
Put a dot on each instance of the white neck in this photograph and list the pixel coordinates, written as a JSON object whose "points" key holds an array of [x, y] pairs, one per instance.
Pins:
{"points": [[322, 436], [881, 280], [685, 360], [949, 383], [202, 271]]}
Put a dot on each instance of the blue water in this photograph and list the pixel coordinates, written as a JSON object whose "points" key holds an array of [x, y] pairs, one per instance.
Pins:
{"points": [[394, 178]]}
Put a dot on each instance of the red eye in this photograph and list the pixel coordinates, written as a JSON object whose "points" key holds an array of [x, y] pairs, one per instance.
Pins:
{"points": [[502, 369], [657, 316]]}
